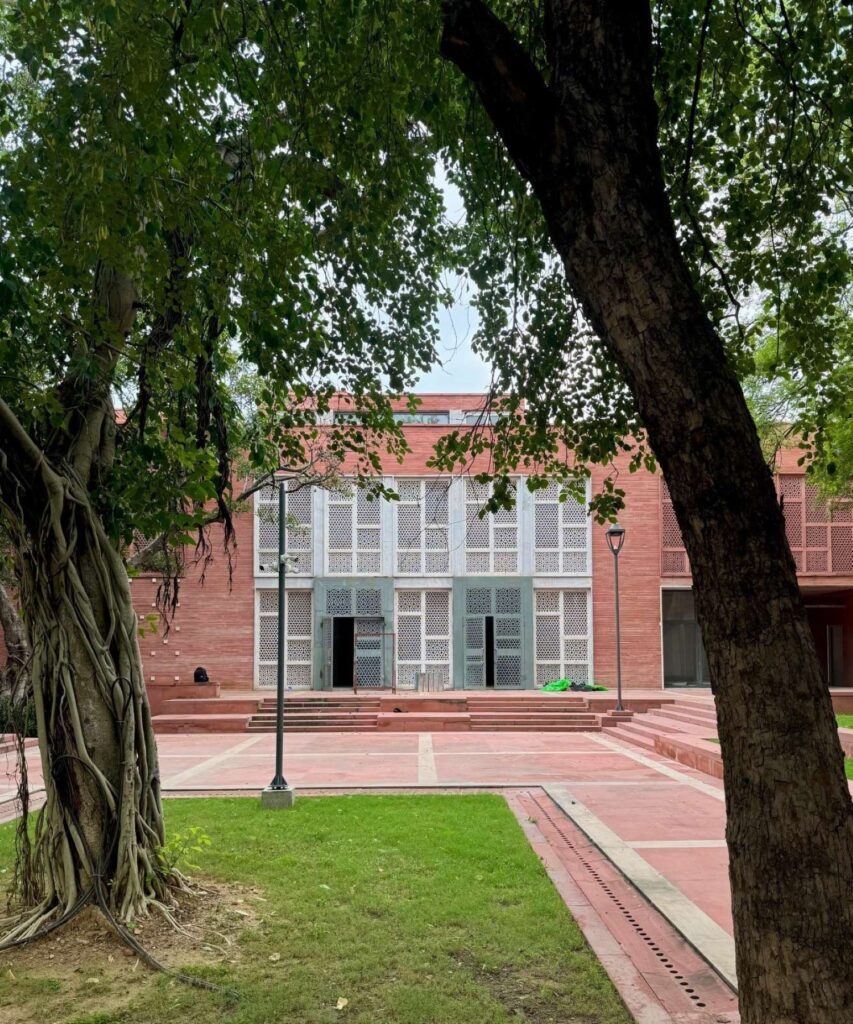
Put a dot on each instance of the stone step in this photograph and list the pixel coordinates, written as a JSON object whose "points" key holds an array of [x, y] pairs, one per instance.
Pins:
{"points": [[549, 726], [255, 727], [630, 734], [322, 705], [567, 716], [209, 705], [661, 725], [199, 723], [683, 717], [294, 719]]}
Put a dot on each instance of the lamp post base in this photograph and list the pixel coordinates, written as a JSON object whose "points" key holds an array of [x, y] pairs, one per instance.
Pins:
{"points": [[278, 799]]}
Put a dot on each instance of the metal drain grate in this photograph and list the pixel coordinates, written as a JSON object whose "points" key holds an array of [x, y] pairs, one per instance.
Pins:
{"points": [[665, 960]]}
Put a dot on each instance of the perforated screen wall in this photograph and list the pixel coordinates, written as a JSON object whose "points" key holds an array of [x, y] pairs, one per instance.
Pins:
{"points": [[561, 534], [491, 542], [423, 532], [820, 534], [299, 534], [562, 636], [673, 557], [497, 609], [298, 650], [353, 534], [423, 636]]}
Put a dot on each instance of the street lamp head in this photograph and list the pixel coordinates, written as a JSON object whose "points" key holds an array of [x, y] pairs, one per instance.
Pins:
{"points": [[615, 537]]}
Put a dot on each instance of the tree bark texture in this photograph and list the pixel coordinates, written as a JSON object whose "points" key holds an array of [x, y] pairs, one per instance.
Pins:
{"points": [[587, 143], [101, 827]]}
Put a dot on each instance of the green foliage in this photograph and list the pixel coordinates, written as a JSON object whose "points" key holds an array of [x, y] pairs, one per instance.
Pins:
{"points": [[182, 850], [269, 178], [261, 174], [755, 136]]}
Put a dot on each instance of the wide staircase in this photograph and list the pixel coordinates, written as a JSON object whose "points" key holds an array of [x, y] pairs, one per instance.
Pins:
{"points": [[554, 713], [318, 714], [348, 712], [687, 718]]}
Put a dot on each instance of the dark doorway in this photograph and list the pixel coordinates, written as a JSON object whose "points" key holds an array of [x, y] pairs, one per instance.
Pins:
{"points": [[490, 650], [343, 651]]}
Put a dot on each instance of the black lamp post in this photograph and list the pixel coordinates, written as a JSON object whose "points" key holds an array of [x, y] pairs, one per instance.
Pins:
{"points": [[615, 540], [278, 793]]}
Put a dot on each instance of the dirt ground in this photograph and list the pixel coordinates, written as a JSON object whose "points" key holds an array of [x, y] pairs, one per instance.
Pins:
{"points": [[86, 964]]}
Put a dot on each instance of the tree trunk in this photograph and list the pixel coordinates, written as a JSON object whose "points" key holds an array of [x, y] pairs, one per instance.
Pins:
{"points": [[102, 821], [587, 144]]}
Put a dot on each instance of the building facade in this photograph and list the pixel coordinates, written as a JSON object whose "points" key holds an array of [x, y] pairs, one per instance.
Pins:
{"points": [[427, 591]]}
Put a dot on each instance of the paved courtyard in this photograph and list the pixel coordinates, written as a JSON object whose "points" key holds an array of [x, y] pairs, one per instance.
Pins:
{"points": [[661, 824]]}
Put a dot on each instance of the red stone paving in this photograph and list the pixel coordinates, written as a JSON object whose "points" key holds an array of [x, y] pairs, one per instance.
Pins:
{"points": [[667, 810], [701, 874], [633, 798]]}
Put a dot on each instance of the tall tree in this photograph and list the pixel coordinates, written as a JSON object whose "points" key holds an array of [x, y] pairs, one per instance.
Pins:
{"points": [[575, 108], [187, 191]]}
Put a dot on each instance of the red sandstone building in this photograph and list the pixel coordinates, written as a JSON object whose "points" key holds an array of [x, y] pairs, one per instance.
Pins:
{"points": [[389, 593]]}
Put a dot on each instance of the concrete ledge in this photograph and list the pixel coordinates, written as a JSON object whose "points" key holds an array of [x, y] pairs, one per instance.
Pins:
{"points": [[842, 701], [692, 752], [846, 737], [278, 799], [424, 721], [200, 723]]}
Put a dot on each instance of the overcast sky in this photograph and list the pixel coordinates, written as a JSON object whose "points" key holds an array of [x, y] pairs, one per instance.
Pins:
{"points": [[462, 369]]}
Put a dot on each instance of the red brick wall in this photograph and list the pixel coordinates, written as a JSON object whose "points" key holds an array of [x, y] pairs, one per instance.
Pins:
{"points": [[213, 626], [639, 585]]}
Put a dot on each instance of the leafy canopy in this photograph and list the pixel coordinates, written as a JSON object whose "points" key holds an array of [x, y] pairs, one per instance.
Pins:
{"points": [[266, 174]]}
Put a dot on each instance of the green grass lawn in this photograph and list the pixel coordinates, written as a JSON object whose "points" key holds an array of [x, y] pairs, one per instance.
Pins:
{"points": [[845, 721], [414, 909]]}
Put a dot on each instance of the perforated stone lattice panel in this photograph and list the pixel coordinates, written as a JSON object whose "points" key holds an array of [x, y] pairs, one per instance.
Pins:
{"points": [[409, 490], [437, 563], [475, 636], [408, 600], [819, 535], [548, 638], [409, 639], [437, 612], [507, 671], [491, 542], [368, 563], [562, 647], [547, 600], [423, 633], [339, 601], [477, 562], [340, 563], [368, 601], [561, 536], [298, 646], [299, 613], [423, 540], [354, 534], [507, 600], [340, 528], [547, 673], [478, 601], [575, 613], [505, 562], [298, 541]]}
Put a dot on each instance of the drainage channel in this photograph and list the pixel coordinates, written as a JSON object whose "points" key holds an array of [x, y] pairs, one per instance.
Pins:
{"points": [[679, 978]]}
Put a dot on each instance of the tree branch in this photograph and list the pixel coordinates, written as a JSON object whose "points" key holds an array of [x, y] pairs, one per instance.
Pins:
{"points": [[513, 92], [17, 447]]}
